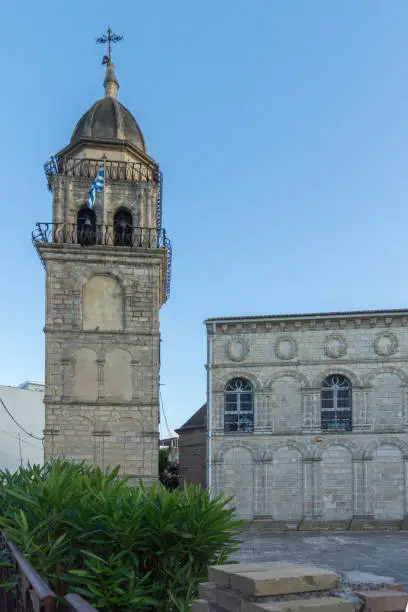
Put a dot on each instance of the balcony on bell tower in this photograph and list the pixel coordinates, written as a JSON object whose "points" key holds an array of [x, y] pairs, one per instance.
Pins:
{"points": [[129, 211]]}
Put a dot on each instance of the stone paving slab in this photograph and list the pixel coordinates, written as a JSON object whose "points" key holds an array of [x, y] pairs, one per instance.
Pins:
{"points": [[378, 554]]}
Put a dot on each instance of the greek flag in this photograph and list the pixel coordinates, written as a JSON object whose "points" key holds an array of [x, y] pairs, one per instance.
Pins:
{"points": [[97, 185]]}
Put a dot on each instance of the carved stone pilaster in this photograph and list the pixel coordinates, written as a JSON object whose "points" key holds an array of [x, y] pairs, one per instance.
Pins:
{"points": [[359, 488], [310, 410], [135, 365], [405, 406], [311, 479], [406, 487], [368, 489], [65, 377], [268, 411], [76, 309], [101, 378], [218, 412], [359, 408], [259, 411], [259, 488], [268, 486]]}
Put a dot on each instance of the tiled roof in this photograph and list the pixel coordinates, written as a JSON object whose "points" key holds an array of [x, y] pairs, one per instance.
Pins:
{"points": [[199, 419]]}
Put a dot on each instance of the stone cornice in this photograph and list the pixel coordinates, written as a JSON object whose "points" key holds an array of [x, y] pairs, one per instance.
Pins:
{"points": [[320, 321], [100, 402], [65, 253], [67, 332], [324, 362]]}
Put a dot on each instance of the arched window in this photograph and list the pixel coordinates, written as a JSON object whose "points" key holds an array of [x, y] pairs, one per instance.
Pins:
{"points": [[86, 226], [123, 227], [239, 406], [336, 403]]}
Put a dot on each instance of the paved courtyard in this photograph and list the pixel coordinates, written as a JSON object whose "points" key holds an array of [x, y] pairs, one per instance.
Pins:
{"points": [[382, 554]]}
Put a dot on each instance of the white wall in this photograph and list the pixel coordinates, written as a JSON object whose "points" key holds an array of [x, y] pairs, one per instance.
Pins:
{"points": [[27, 407]]}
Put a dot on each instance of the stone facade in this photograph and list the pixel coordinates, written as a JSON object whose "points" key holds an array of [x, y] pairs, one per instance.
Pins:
{"points": [[287, 471], [103, 298]]}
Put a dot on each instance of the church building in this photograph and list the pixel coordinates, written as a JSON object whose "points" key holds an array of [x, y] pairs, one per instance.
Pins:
{"points": [[107, 265], [307, 420]]}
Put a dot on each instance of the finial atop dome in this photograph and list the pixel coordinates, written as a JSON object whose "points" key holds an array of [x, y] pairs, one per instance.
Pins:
{"points": [[110, 83]]}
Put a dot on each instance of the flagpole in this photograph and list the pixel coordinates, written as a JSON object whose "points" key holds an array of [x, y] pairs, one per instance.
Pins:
{"points": [[104, 186]]}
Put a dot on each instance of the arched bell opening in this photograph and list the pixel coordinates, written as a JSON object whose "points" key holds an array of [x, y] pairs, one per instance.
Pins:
{"points": [[86, 226], [123, 227]]}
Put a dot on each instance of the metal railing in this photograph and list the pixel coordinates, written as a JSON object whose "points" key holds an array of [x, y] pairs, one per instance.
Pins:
{"points": [[82, 167], [28, 591], [121, 235]]}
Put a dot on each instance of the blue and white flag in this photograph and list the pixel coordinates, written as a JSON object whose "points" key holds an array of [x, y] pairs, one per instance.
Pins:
{"points": [[97, 185]]}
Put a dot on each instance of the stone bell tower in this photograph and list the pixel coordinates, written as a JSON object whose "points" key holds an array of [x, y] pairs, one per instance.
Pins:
{"points": [[107, 275]]}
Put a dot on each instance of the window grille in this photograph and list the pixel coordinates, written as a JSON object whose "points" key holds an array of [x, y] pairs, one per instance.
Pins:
{"points": [[239, 406], [336, 401]]}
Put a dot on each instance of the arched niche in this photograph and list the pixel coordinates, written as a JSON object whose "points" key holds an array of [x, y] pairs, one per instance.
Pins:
{"points": [[118, 375], [85, 381], [237, 461], [387, 483], [337, 483], [285, 493], [103, 303], [386, 399], [286, 404]]}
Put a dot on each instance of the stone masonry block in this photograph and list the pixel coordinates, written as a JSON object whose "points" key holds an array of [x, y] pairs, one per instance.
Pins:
{"points": [[384, 601], [321, 604], [273, 578], [207, 590], [229, 600], [201, 605]]}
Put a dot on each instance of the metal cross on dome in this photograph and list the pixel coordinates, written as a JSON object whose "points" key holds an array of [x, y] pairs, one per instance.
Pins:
{"points": [[108, 39]]}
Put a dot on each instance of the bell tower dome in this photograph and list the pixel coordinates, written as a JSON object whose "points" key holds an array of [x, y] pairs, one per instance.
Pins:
{"points": [[107, 263]]}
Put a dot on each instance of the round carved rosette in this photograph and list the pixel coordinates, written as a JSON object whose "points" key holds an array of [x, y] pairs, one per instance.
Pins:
{"points": [[385, 344], [237, 349], [285, 347], [335, 346]]}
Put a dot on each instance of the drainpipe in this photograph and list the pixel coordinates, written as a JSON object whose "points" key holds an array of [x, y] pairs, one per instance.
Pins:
{"points": [[210, 339]]}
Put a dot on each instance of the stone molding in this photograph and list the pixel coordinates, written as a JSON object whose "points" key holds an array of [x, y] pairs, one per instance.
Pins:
{"points": [[317, 322], [385, 344], [335, 346], [285, 347], [237, 349]]}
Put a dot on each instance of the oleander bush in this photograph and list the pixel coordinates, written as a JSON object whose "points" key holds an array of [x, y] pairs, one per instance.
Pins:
{"points": [[121, 547]]}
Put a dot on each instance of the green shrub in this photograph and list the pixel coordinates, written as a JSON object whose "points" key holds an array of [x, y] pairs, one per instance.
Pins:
{"points": [[121, 547]]}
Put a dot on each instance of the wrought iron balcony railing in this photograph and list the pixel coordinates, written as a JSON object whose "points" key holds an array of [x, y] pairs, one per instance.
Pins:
{"points": [[121, 235], [88, 168]]}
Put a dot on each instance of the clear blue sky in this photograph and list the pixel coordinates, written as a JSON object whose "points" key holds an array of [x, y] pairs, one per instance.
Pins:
{"points": [[282, 130]]}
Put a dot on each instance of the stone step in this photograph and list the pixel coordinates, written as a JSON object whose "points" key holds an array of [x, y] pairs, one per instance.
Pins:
{"points": [[321, 604], [269, 579], [384, 601]]}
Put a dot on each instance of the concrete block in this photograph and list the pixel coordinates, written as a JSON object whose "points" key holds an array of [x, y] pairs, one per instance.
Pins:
{"points": [[228, 600], [207, 591], [201, 605], [383, 601], [262, 579], [321, 604]]}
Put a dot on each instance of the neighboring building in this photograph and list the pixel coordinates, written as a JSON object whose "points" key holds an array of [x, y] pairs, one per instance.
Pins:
{"points": [[172, 444], [26, 404], [193, 448], [107, 275], [308, 417]]}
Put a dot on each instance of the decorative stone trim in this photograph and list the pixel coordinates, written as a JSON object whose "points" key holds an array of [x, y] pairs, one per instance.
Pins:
{"points": [[285, 347], [385, 344], [237, 349], [335, 346]]}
